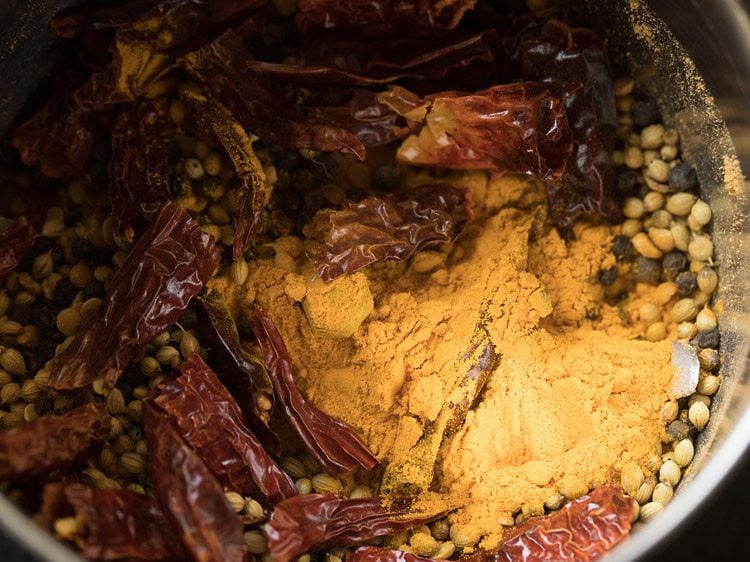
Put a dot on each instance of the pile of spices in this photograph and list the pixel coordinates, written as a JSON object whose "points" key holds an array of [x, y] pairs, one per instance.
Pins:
{"points": [[289, 305]]}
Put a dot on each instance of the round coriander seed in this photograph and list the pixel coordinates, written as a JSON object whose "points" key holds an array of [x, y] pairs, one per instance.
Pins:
{"points": [[326, 484], [650, 510], [235, 500], [670, 473], [631, 478], [193, 168], [256, 542], [698, 414], [683, 452], [663, 493]]}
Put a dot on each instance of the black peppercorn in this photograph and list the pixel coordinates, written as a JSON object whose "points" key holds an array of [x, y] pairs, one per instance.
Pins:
{"points": [[244, 328], [647, 270], [645, 112], [64, 293], [607, 276], [682, 177], [95, 289], [627, 182], [188, 319], [386, 176], [686, 283], [679, 430], [707, 338], [80, 248], [673, 264], [622, 248]]}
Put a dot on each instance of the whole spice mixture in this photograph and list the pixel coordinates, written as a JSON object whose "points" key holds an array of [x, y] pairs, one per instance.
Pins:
{"points": [[397, 280]]}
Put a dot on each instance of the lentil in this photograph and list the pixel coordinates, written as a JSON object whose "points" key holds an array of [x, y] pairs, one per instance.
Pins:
{"points": [[644, 246]]}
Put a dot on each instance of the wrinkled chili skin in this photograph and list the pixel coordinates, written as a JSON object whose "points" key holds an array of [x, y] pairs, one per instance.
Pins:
{"points": [[51, 442], [59, 137], [330, 441], [311, 522], [191, 498], [380, 18], [464, 61], [212, 119], [15, 241], [223, 66], [520, 127], [575, 55], [139, 171], [582, 531], [169, 264], [243, 375], [388, 228], [112, 524], [210, 421]]}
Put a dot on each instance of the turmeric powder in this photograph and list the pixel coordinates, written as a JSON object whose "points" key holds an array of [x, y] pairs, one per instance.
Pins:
{"points": [[569, 393]]}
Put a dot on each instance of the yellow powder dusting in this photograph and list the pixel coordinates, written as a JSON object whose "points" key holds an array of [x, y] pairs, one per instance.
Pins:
{"points": [[573, 395]]}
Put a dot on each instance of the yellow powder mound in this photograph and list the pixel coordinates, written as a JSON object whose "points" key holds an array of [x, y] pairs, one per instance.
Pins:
{"points": [[572, 396]]}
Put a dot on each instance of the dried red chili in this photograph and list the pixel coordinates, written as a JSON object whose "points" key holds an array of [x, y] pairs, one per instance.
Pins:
{"points": [[190, 496], [243, 375], [213, 119], [331, 442], [387, 228], [51, 442], [578, 56], [166, 268], [252, 100], [210, 421], [436, 63], [139, 171], [380, 18], [112, 524], [582, 531], [520, 127], [59, 137], [313, 521], [17, 239]]}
